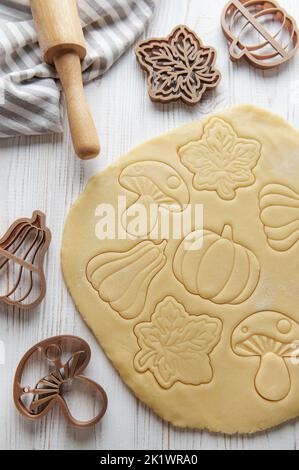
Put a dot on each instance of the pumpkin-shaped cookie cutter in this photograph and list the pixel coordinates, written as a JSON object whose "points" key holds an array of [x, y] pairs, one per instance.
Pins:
{"points": [[48, 391], [240, 17]]}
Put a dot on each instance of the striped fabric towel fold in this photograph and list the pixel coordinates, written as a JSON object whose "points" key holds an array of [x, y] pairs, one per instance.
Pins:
{"points": [[29, 91]]}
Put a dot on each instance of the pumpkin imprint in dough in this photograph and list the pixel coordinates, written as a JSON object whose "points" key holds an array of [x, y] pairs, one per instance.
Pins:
{"points": [[175, 346], [221, 271], [221, 161], [279, 207], [274, 338], [122, 278], [157, 185]]}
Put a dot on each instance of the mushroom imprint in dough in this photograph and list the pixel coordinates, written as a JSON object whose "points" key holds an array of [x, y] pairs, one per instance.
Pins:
{"points": [[274, 338], [157, 186]]}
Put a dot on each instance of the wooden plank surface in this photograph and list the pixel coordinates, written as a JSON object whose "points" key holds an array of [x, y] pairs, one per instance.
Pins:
{"points": [[42, 173]]}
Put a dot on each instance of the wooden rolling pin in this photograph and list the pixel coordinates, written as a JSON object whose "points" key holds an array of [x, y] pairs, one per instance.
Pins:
{"points": [[62, 43]]}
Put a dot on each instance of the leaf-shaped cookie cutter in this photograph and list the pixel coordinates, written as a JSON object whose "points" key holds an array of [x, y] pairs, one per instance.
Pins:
{"points": [[48, 391], [252, 11], [179, 67], [31, 260]]}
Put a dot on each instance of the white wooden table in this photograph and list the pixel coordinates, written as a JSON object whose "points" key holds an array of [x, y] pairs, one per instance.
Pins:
{"points": [[42, 173]]}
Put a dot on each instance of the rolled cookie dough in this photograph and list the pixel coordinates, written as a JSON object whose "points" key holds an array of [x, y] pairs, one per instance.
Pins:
{"points": [[203, 329]]}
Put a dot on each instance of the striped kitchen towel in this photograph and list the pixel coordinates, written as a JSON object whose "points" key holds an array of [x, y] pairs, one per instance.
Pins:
{"points": [[29, 91]]}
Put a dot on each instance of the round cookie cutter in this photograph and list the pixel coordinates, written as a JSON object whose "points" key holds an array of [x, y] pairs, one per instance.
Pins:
{"points": [[48, 391]]}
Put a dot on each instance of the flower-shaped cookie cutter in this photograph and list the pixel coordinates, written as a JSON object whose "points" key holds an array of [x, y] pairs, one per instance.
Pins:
{"points": [[22, 252], [48, 391]]}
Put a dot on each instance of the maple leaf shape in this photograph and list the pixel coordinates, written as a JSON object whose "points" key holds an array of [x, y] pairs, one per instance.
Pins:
{"points": [[178, 67], [175, 346], [221, 161]]}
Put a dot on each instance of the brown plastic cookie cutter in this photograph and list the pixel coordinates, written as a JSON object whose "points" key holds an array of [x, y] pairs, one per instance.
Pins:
{"points": [[241, 18], [22, 252], [179, 67], [37, 401]]}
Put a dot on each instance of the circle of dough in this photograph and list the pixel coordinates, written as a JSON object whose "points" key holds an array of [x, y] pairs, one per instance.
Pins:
{"points": [[251, 224]]}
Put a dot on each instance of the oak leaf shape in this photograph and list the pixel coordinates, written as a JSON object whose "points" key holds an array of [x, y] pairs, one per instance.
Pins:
{"points": [[221, 161], [175, 346], [178, 67]]}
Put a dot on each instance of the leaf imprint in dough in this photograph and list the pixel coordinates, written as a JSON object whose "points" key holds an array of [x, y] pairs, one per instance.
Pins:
{"points": [[175, 346], [221, 161]]}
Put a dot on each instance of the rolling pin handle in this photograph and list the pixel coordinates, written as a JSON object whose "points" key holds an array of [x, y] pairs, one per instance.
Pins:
{"points": [[82, 127]]}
